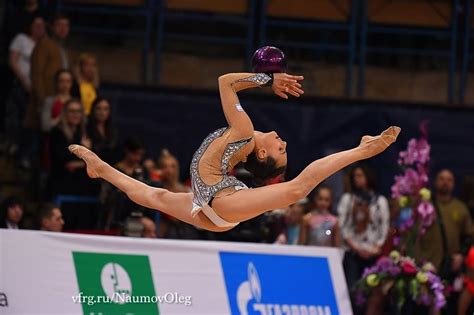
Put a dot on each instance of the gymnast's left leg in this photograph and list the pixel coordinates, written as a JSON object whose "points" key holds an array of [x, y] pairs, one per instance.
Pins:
{"points": [[178, 205], [246, 204]]}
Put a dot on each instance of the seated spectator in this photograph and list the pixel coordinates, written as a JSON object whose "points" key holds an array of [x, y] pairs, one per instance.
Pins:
{"points": [[320, 227], [88, 78], [149, 228], [170, 227], [131, 163], [117, 205], [51, 111], [51, 218], [11, 213], [102, 132], [68, 173], [169, 166], [293, 221], [21, 49]]}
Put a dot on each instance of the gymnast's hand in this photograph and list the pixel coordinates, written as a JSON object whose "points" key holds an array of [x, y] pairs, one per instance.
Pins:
{"points": [[284, 84]]}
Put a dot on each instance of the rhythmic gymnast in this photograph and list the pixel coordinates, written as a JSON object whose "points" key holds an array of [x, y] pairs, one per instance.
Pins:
{"points": [[219, 201]]}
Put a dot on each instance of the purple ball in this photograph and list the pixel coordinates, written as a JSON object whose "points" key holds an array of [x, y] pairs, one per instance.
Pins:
{"points": [[268, 59]]}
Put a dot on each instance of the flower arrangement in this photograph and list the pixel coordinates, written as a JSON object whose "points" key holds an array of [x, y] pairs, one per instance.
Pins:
{"points": [[410, 189], [400, 277]]}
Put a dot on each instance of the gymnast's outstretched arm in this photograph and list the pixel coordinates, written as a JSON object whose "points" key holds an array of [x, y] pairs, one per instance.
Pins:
{"points": [[229, 84]]}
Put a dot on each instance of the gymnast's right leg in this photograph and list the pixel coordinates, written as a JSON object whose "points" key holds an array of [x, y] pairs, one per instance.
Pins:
{"points": [[178, 205]]}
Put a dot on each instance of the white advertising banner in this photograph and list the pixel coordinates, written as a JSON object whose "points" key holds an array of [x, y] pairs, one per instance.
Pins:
{"points": [[60, 273]]}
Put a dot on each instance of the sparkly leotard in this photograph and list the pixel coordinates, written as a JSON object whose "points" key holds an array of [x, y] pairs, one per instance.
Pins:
{"points": [[203, 190]]}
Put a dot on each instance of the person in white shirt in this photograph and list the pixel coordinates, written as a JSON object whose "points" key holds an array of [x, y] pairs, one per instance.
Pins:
{"points": [[11, 213], [21, 49], [364, 219]]}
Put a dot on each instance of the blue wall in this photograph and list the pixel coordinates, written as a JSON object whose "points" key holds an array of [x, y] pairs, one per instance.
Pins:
{"points": [[179, 120]]}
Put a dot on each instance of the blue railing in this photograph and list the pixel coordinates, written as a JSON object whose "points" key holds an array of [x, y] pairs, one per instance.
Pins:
{"points": [[256, 24], [147, 11], [60, 199], [449, 33], [347, 45]]}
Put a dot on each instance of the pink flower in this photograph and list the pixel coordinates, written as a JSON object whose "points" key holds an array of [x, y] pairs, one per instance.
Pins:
{"points": [[408, 267], [418, 151], [426, 212]]}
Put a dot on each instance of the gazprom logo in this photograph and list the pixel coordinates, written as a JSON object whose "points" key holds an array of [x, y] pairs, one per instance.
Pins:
{"points": [[282, 285]]}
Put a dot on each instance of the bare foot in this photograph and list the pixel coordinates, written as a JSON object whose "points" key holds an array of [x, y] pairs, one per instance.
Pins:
{"points": [[93, 162], [375, 145]]}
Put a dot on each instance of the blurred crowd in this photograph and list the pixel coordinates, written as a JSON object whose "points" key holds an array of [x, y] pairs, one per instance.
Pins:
{"points": [[56, 101]]}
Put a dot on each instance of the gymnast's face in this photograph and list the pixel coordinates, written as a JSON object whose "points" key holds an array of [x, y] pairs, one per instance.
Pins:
{"points": [[269, 144]]}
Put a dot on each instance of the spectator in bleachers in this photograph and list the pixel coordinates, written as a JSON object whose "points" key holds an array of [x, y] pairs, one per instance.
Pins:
{"points": [[117, 205], [131, 164], [68, 173], [102, 132], [169, 226], [53, 104], [87, 76], [149, 228], [364, 219], [293, 223], [21, 49], [11, 213], [169, 166], [49, 56], [20, 15], [320, 227], [51, 218]]}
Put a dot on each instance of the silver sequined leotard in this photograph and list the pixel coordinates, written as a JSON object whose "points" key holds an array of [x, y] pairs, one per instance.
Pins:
{"points": [[204, 193]]}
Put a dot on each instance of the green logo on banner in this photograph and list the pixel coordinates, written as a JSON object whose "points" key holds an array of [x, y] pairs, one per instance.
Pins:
{"points": [[111, 284]]}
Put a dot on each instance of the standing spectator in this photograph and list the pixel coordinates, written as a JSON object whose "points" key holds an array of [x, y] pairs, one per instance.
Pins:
{"points": [[49, 56], [68, 173], [102, 132], [292, 225], [320, 227], [21, 49], [453, 217], [452, 231], [364, 218], [53, 104], [88, 77], [11, 213], [51, 218]]}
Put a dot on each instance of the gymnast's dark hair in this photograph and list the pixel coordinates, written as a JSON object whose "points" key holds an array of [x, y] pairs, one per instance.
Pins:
{"points": [[262, 169]]}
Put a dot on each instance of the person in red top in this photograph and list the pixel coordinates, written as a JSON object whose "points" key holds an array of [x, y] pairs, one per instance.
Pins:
{"points": [[53, 104]]}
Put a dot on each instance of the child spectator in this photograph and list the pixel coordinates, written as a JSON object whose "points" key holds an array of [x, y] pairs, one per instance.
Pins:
{"points": [[51, 111], [320, 227], [292, 224]]}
